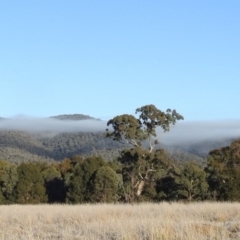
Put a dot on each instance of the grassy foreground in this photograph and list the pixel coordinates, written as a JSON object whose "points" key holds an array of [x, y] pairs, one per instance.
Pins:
{"points": [[129, 222]]}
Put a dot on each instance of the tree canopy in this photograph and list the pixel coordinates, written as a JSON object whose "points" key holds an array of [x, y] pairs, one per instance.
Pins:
{"points": [[132, 130]]}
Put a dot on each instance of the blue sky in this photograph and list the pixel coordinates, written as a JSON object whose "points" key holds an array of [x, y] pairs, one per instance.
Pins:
{"points": [[105, 58]]}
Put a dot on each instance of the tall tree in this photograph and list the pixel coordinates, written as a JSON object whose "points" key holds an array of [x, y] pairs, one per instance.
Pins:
{"points": [[132, 130], [139, 164]]}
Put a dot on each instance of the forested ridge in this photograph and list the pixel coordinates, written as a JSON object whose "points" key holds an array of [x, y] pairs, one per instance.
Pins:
{"points": [[14, 144], [18, 146]]}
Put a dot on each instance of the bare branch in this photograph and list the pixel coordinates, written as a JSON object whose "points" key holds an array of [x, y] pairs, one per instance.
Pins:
{"points": [[140, 175], [148, 171]]}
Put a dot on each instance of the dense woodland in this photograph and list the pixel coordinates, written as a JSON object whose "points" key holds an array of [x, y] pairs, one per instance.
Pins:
{"points": [[93, 179], [115, 166]]}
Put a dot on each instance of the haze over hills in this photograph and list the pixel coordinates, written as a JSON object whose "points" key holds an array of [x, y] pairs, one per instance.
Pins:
{"points": [[54, 138], [58, 137]]}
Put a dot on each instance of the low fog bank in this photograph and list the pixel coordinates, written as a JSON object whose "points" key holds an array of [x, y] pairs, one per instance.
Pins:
{"points": [[188, 133], [52, 125], [183, 133]]}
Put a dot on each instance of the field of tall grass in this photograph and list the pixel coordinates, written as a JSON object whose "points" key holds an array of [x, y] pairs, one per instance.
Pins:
{"points": [[146, 221]]}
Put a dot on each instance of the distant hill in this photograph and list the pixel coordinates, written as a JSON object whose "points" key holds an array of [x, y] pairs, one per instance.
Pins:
{"points": [[19, 146], [74, 117]]}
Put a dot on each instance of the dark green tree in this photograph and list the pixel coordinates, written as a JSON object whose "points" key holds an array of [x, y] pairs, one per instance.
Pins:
{"points": [[223, 171], [78, 186], [192, 182], [8, 180], [105, 185], [30, 187], [167, 188]]}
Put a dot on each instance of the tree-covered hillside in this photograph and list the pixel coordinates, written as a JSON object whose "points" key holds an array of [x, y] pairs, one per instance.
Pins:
{"points": [[16, 146], [20, 146]]}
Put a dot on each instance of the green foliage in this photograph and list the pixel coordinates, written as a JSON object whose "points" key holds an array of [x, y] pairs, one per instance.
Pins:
{"points": [[50, 172], [231, 191], [150, 117], [140, 166], [133, 131], [192, 182], [136, 174], [167, 188], [8, 180], [126, 127], [139, 169], [105, 185], [78, 186], [30, 187], [18, 147], [223, 172]]}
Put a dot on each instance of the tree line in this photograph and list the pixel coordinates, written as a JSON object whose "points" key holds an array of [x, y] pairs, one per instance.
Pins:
{"points": [[140, 173]]}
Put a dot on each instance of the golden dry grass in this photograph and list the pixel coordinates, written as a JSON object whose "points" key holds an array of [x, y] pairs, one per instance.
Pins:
{"points": [[162, 221]]}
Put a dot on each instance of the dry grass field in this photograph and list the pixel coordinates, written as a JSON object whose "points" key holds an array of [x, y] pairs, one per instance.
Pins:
{"points": [[162, 221]]}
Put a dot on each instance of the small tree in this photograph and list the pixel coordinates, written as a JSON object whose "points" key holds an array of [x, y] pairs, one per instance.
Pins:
{"points": [[30, 187], [8, 180], [78, 185], [192, 181], [105, 185]]}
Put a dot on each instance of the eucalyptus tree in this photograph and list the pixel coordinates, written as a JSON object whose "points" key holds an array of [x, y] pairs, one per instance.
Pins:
{"points": [[140, 164], [131, 130]]}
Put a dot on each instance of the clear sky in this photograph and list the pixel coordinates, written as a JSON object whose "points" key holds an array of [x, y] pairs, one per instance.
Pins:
{"points": [[105, 58]]}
